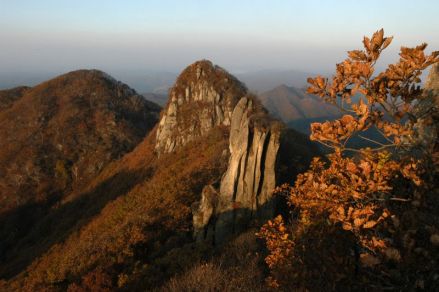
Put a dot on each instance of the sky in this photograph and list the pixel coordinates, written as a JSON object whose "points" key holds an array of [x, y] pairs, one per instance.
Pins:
{"points": [[167, 35]]}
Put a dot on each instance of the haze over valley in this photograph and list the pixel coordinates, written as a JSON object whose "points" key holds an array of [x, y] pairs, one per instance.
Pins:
{"points": [[219, 145]]}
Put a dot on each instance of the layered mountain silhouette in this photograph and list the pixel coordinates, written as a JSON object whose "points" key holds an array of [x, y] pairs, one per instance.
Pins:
{"points": [[264, 80], [143, 199], [297, 108], [157, 98]]}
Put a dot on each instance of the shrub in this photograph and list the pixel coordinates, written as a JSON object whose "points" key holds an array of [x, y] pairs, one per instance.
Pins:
{"points": [[236, 268], [359, 198]]}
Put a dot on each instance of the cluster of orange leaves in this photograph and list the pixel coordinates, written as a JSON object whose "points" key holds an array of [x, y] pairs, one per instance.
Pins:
{"points": [[280, 249], [279, 244], [390, 93], [352, 191]]}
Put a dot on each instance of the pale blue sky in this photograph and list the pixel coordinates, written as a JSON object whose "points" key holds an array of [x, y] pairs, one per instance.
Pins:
{"points": [[166, 35]]}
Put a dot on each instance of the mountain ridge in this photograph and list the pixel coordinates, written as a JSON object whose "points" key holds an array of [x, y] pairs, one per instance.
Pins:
{"points": [[55, 138], [291, 104], [136, 215]]}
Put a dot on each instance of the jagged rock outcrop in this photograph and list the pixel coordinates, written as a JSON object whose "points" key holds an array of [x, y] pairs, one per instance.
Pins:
{"points": [[250, 179], [206, 96], [203, 97], [246, 186], [203, 211]]}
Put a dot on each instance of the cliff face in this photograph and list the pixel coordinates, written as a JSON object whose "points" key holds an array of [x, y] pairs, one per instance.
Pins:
{"points": [[250, 179], [245, 189], [203, 97]]}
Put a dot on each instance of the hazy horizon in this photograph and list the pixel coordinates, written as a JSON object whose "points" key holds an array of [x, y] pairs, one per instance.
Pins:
{"points": [[124, 37]]}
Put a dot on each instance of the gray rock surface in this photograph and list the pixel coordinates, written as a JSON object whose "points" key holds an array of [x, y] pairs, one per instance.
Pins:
{"points": [[202, 212], [246, 186], [206, 96], [250, 178], [203, 97]]}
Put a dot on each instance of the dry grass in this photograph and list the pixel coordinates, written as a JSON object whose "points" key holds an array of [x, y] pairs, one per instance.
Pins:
{"points": [[238, 267]]}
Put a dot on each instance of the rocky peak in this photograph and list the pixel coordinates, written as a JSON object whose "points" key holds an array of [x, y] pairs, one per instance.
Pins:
{"points": [[206, 96], [203, 97]]}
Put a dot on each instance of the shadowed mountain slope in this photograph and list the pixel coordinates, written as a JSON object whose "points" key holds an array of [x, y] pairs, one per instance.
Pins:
{"points": [[131, 226], [54, 139], [57, 135]]}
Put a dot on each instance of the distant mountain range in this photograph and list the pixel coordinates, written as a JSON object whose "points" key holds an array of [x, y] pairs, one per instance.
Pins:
{"points": [[141, 81], [297, 108], [157, 98], [288, 101], [159, 82], [261, 81], [156, 82], [290, 104]]}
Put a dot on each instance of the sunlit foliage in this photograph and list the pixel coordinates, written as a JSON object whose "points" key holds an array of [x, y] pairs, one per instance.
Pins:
{"points": [[358, 197]]}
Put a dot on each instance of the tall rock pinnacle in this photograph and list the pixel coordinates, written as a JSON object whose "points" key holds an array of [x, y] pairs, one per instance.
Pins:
{"points": [[206, 96]]}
